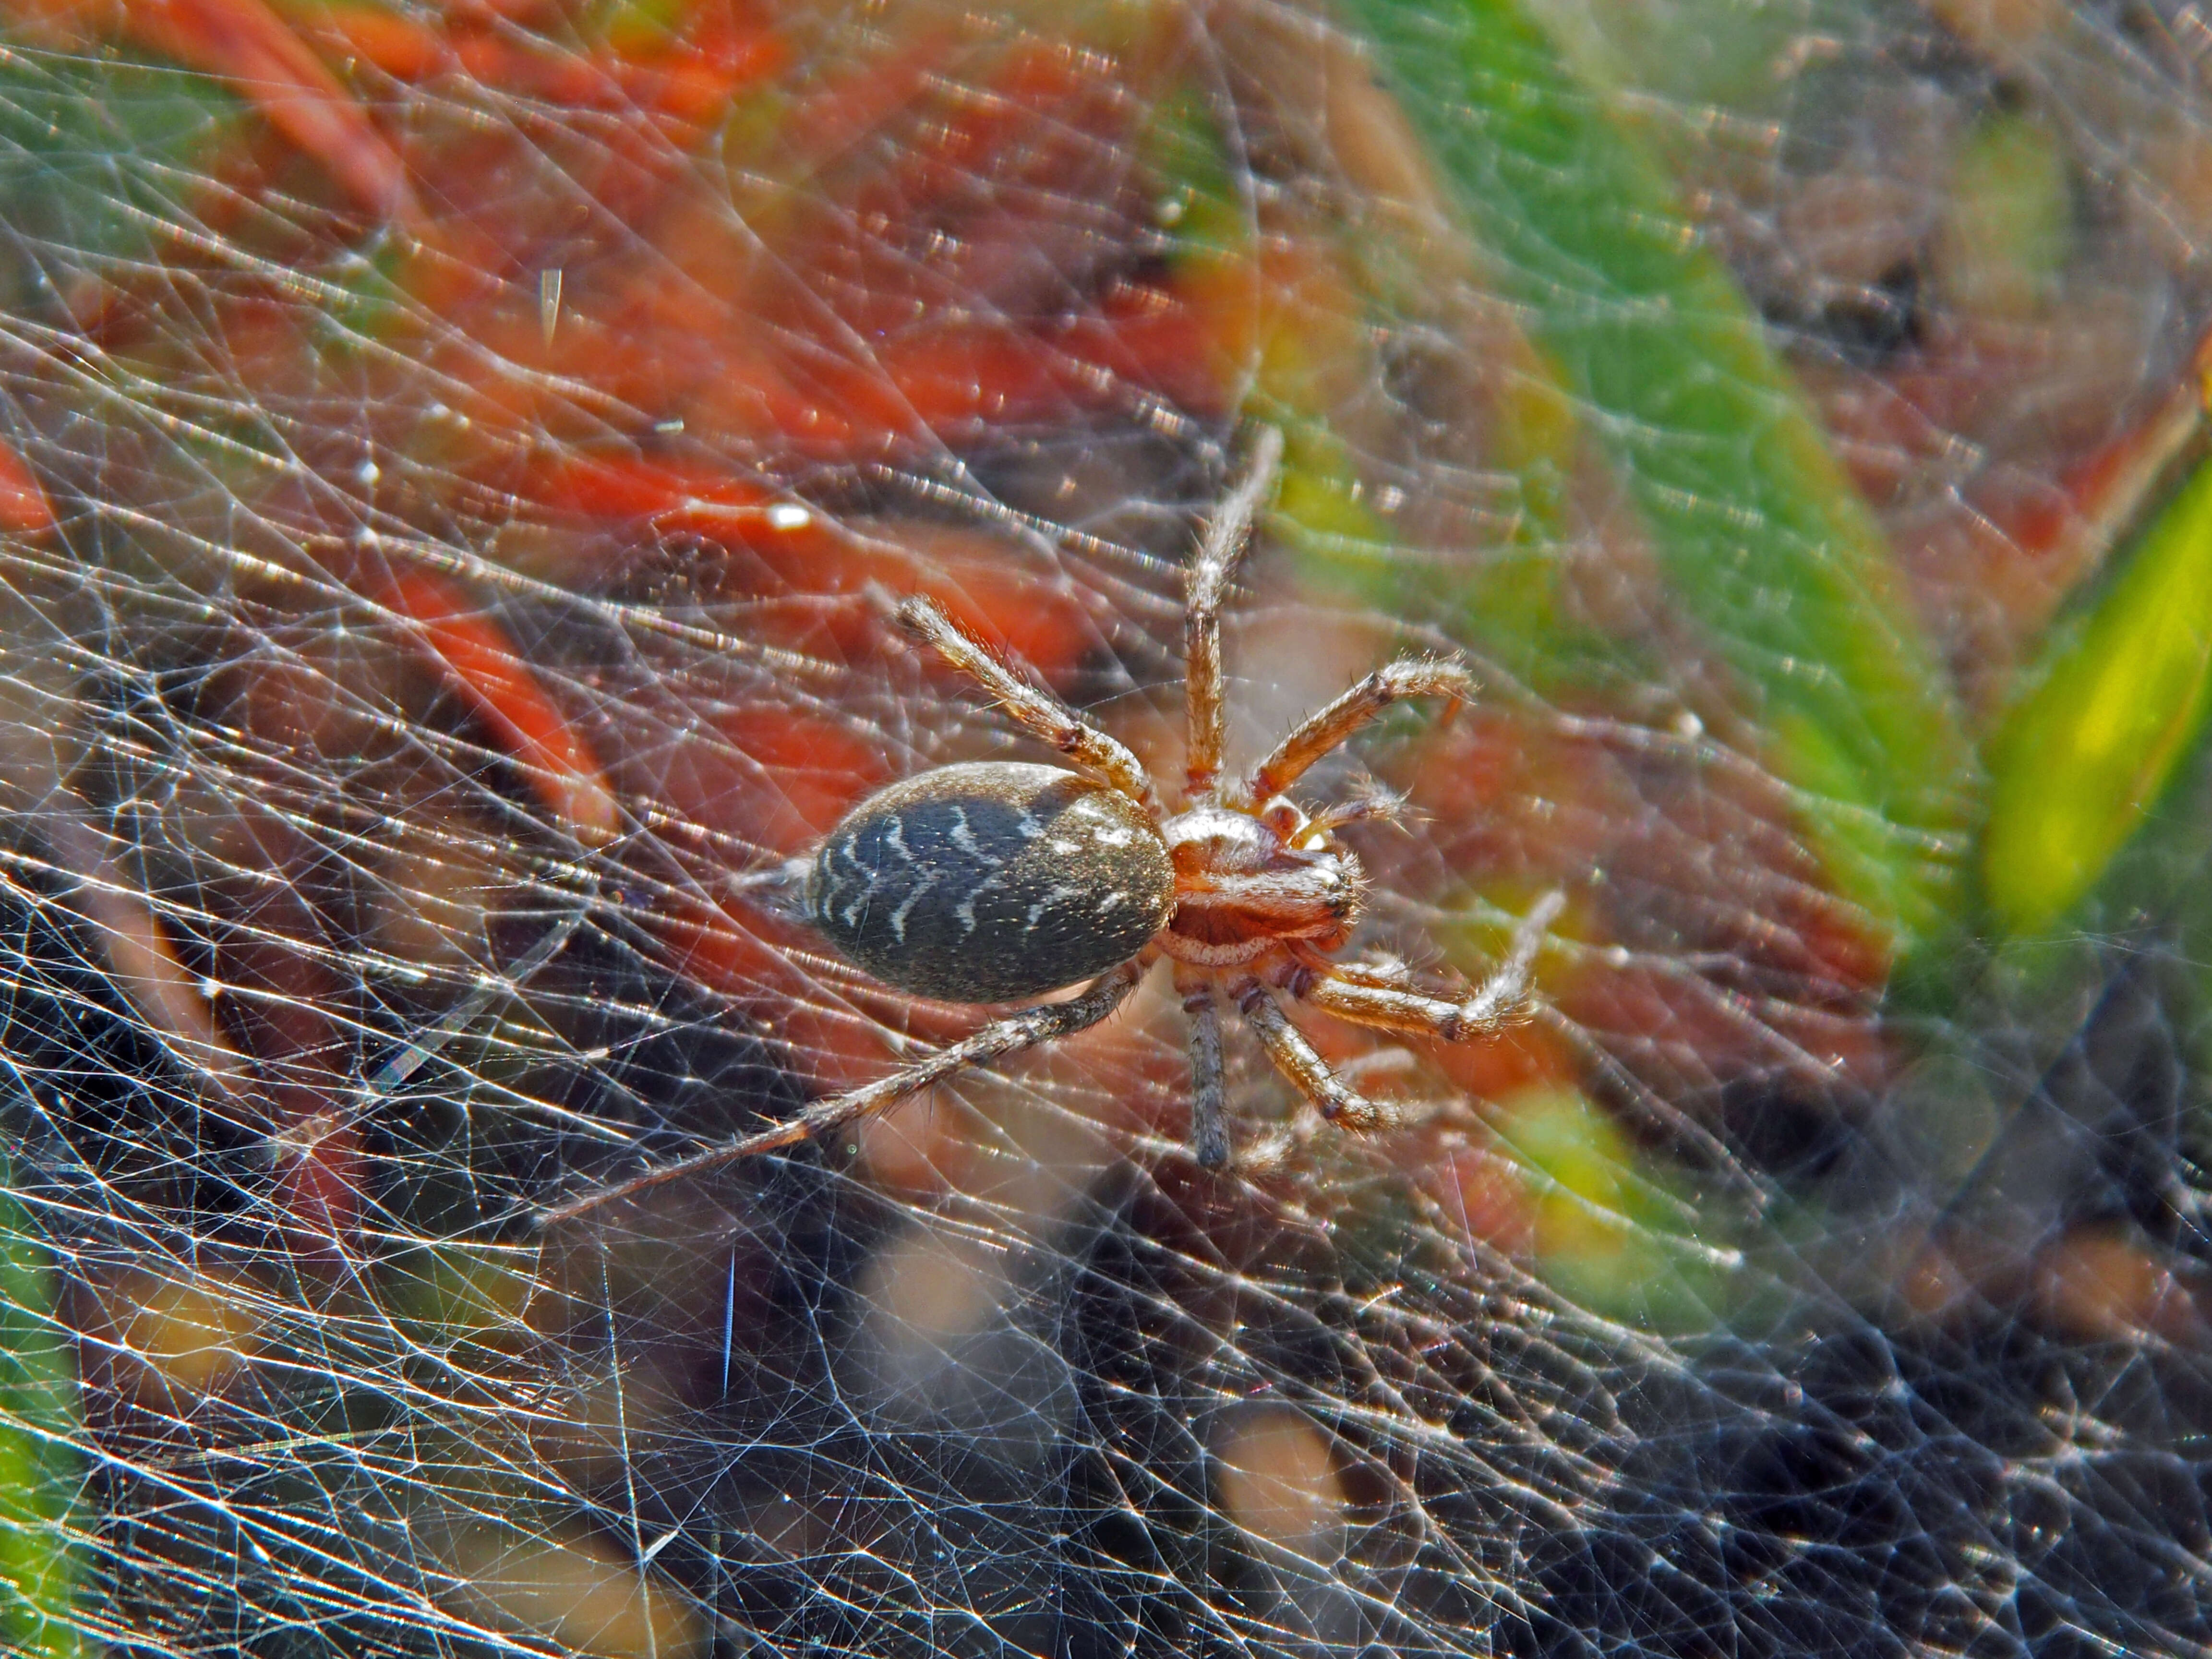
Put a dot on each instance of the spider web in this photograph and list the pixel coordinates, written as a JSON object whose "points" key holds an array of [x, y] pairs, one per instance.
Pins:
{"points": [[454, 468]]}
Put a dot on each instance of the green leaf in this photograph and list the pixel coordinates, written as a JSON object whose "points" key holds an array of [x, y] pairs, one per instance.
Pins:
{"points": [[42, 1554], [1762, 538], [97, 157], [2118, 702]]}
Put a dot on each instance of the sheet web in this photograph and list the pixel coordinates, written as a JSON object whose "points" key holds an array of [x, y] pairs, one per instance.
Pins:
{"points": [[456, 468]]}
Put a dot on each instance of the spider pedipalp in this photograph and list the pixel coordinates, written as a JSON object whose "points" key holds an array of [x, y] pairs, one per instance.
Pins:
{"points": [[999, 881]]}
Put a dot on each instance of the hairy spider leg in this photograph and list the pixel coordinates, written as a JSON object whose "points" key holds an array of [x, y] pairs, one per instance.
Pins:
{"points": [[1209, 1128], [1384, 997], [1378, 806], [1103, 756], [1328, 727], [1024, 1029], [1297, 1059], [1228, 533]]}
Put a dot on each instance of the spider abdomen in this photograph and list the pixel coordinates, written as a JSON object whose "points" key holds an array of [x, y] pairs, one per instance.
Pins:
{"points": [[991, 881]]}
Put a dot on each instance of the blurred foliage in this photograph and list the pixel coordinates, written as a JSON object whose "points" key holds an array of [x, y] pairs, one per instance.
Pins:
{"points": [[2106, 723], [1763, 538], [465, 589], [44, 1526]]}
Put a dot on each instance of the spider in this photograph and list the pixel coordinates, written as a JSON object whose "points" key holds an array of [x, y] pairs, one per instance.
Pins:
{"points": [[999, 881]]}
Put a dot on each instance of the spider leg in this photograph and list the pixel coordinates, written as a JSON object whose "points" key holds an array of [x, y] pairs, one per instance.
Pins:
{"points": [[1301, 1062], [1380, 806], [1227, 535], [1089, 748], [1383, 998], [1024, 1029], [1325, 728], [1209, 1129]]}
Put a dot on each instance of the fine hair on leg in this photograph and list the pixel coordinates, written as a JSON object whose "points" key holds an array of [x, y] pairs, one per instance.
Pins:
{"points": [[1104, 758], [1328, 728], [1024, 1029], [1297, 1059], [1386, 999], [1209, 1128], [1228, 533]]}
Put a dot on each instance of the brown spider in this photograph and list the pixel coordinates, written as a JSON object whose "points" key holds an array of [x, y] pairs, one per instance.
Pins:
{"points": [[995, 881]]}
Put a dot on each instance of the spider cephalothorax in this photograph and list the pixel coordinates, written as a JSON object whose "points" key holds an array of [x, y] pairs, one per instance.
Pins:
{"points": [[1247, 883], [996, 881]]}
